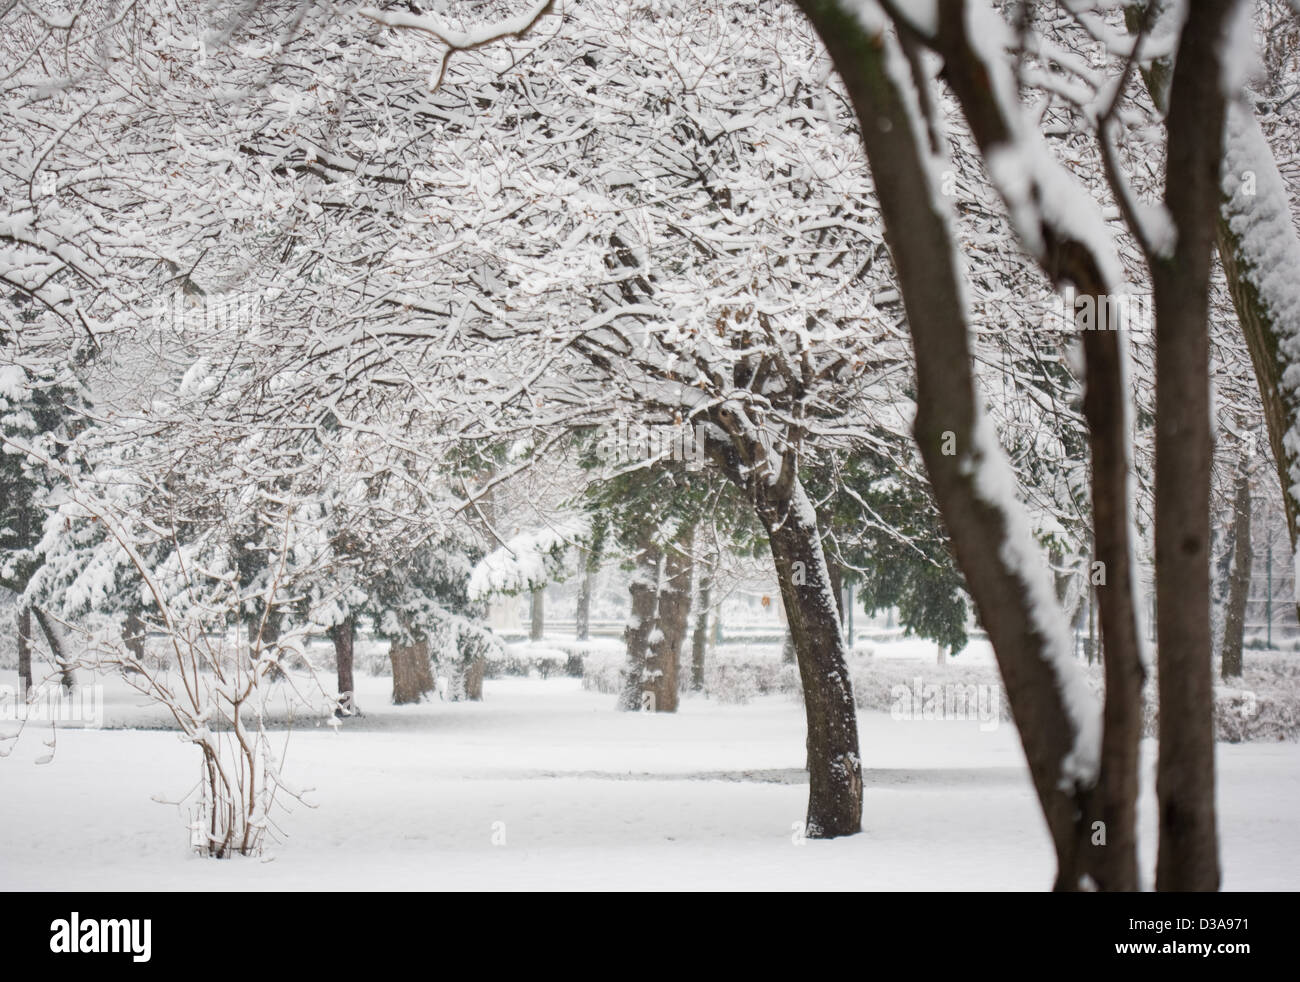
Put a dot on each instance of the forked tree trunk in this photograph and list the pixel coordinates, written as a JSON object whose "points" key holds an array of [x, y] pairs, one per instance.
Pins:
{"points": [[344, 637], [24, 624], [700, 639], [537, 615], [956, 440], [644, 588], [672, 618], [1234, 621], [412, 675], [834, 766]]}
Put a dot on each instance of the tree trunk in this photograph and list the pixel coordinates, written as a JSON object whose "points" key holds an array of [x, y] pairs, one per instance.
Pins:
{"points": [[344, 637], [700, 639], [644, 588], [1234, 621], [1110, 860], [1188, 857], [850, 633], [582, 617], [834, 764], [671, 620], [412, 676], [24, 624], [787, 648], [537, 615], [475, 670], [133, 635], [1246, 152], [56, 648], [1027, 629]]}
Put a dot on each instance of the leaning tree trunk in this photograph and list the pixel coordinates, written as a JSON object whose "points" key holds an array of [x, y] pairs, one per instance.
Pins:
{"points": [[644, 588], [52, 638], [1255, 222], [24, 624], [990, 537], [344, 637], [412, 675], [537, 615], [1234, 621], [834, 765], [673, 614], [700, 639]]}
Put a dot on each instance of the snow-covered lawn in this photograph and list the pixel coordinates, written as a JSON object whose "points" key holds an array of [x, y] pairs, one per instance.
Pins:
{"points": [[410, 798]]}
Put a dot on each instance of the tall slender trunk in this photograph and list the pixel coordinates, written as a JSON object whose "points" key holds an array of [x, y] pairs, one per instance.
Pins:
{"points": [[582, 616], [673, 614], [344, 637], [834, 764], [24, 624], [700, 639], [537, 615], [1234, 621], [644, 588], [1188, 856], [1111, 859], [850, 633]]}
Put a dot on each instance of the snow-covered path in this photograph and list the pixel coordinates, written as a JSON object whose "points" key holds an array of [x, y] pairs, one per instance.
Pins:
{"points": [[589, 798]]}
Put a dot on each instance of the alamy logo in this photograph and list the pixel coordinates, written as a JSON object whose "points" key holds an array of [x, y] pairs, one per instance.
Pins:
{"points": [[633, 442], [84, 706], [102, 936], [1070, 312], [947, 702]]}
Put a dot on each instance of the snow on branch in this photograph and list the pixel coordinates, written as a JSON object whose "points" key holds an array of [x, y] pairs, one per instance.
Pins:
{"points": [[529, 560], [456, 40]]}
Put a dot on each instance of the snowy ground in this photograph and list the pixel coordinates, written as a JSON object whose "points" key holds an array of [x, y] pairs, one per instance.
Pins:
{"points": [[408, 798]]}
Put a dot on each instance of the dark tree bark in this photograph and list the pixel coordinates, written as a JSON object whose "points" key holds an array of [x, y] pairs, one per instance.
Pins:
{"points": [[1234, 621], [1029, 660], [134, 632], [537, 615], [700, 639], [644, 588], [24, 625], [1112, 862], [672, 617], [1188, 856], [834, 766], [52, 638], [412, 675], [344, 637]]}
